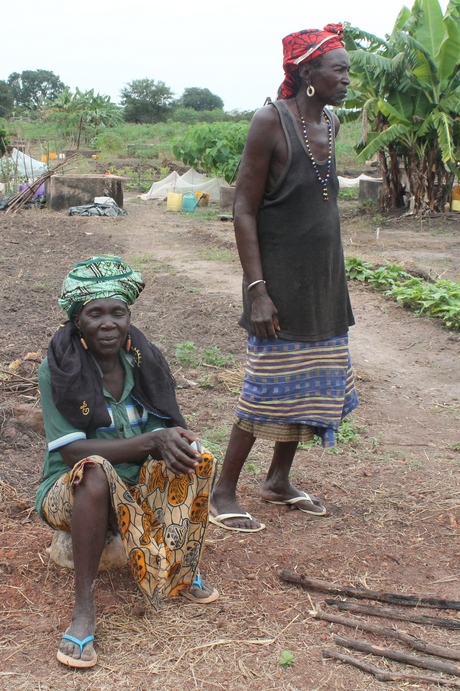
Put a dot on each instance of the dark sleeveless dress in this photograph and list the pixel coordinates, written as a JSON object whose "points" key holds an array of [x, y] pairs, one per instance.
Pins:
{"points": [[301, 248]]}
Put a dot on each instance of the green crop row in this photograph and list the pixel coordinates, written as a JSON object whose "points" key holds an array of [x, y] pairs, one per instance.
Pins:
{"points": [[439, 299]]}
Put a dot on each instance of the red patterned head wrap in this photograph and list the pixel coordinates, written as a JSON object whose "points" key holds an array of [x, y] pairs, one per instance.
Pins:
{"points": [[304, 46]]}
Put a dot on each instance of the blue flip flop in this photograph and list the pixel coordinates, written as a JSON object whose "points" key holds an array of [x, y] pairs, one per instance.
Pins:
{"points": [[201, 600], [73, 661]]}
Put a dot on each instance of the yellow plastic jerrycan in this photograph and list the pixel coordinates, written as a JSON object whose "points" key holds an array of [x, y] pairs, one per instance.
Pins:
{"points": [[173, 201]]}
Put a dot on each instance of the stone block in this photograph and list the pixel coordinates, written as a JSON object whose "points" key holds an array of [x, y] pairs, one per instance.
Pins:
{"points": [[30, 417], [370, 192], [64, 191], [113, 556], [227, 195]]}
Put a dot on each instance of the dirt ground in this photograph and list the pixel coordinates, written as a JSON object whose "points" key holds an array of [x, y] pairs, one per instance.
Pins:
{"points": [[392, 491]]}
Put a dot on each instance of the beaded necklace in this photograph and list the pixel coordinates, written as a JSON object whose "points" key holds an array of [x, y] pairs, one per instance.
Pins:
{"points": [[322, 180]]}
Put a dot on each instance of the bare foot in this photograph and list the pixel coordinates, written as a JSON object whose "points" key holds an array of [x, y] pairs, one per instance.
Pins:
{"points": [[297, 499]]}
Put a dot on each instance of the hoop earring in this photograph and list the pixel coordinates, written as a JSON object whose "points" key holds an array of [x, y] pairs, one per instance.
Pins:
{"points": [[82, 340], [128, 343], [310, 90]]}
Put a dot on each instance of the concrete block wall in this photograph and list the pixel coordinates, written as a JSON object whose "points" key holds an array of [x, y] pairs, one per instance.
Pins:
{"points": [[64, 191]]}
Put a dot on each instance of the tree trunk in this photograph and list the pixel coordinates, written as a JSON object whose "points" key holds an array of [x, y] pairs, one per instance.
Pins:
{"points": [[430, 181], [393, 191]]}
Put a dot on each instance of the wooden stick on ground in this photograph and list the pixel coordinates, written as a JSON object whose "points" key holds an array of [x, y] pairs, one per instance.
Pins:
{"points": [[389, 613], [415, 643], [365, 594], [383, 675], [398, 656]]}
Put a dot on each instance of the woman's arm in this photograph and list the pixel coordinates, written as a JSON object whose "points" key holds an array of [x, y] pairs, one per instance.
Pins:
{"points": [[253, 177], [172, 445]]}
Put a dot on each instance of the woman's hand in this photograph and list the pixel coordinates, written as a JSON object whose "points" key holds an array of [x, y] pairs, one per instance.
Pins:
{"points": [[264, 316], [172, 445]]}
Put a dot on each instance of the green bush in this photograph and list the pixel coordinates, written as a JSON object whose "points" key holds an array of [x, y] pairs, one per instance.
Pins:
{"points": [[187, 115], [109, 141], [215, 147]]}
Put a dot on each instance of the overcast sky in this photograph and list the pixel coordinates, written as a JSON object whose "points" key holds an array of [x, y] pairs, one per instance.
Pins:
{"points": [[231, 47]]}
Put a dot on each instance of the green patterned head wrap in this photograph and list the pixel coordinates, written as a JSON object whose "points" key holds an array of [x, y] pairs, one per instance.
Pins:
{"points": [[99, 277]]}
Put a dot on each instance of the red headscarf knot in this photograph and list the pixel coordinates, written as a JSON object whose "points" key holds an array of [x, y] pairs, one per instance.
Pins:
{"points": [[334, 29], [304, 46]]}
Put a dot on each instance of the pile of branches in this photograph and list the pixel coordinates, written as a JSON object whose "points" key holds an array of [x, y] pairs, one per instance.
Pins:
{"points": [[17, 201], [435, 657]]}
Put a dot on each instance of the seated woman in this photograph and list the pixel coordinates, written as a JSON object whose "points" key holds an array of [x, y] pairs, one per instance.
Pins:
{"points": [[119, 456]]}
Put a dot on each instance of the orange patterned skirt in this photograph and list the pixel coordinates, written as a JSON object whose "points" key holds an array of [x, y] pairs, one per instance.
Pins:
{"points": [[162, 520]]}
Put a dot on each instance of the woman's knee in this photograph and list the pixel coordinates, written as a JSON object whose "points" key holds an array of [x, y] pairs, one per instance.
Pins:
{"points": [[94, 483]]}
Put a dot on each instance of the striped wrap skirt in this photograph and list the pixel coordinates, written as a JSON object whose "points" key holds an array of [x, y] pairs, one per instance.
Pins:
{"points": [[293, 390]]}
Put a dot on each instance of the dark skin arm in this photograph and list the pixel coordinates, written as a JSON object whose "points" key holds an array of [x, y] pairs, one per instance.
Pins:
{"points": [[263, 160], [172, 445], [335, 124]]}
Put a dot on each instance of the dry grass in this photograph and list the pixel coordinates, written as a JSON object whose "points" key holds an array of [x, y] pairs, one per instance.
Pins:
{"points": [[6, 492], [232, 379], [395, 536], [393, 495]]}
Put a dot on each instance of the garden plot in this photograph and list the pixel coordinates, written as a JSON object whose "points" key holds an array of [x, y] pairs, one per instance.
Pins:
{"points": [[390, 486]]}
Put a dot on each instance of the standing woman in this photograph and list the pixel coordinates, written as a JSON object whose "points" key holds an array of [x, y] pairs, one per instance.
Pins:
{"points": [[119, 456], [296, 308]]}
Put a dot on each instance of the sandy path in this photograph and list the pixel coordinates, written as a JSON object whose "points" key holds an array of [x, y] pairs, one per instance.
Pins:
{"points": [[410, 365]]}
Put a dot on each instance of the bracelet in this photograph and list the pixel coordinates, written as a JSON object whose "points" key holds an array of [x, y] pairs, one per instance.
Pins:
{"points": [[254, 283]]}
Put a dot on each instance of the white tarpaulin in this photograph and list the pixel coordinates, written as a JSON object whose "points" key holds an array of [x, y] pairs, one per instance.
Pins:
{"points": [[191, 181], [23, 166], [354, 182]]}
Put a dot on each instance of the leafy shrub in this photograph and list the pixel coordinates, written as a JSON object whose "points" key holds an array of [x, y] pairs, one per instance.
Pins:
{"points": [[108, 141], [216, 115], [215, 357], [187, 115], [186, 354], [215, 147]]}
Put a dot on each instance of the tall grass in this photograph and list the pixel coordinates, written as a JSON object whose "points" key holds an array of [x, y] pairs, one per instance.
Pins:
{"points": [[147, 142], [348, 137]]}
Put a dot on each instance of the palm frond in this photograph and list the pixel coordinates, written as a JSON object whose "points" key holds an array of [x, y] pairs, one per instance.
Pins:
{"points": [[369, 41], [348, 114], [381, 141], [451, 103], [449, 51], [426, 126], [403, 16], [422, 105], [378, 64], [443, 125], [430, 29], [392, 113], [407, 43]]}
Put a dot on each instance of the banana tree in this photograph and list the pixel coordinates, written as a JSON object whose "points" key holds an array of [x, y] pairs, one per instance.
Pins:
{"points": [[406, 89], [84, 110]]}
